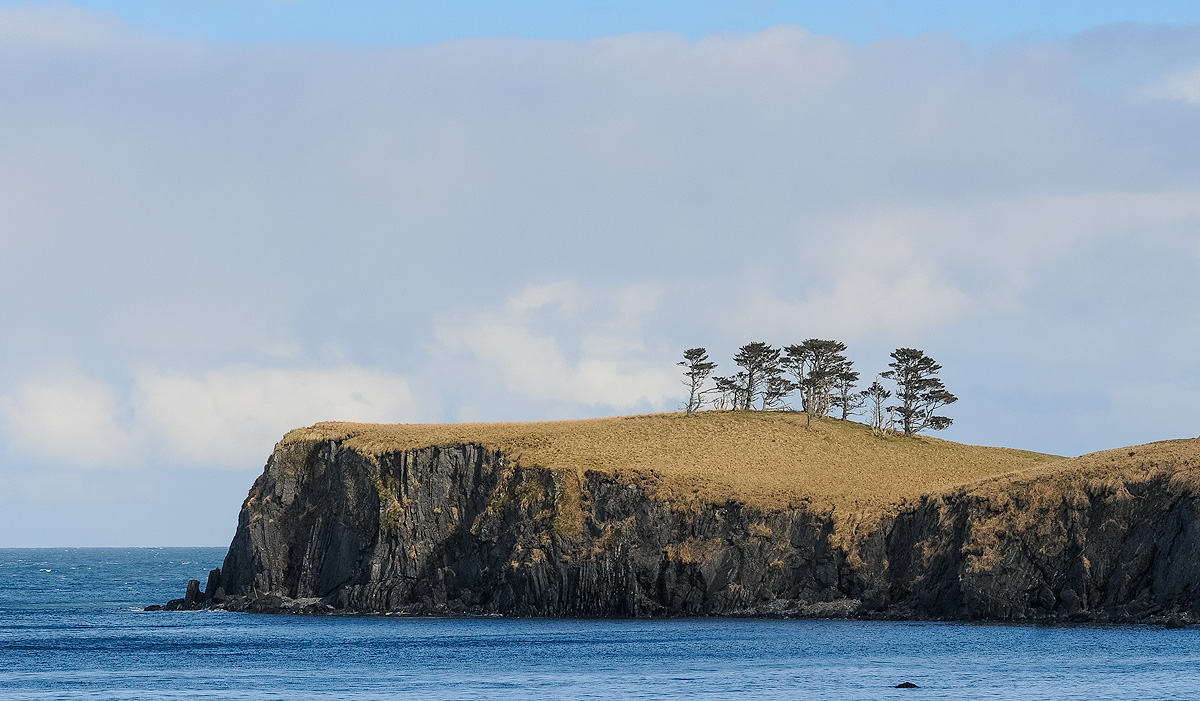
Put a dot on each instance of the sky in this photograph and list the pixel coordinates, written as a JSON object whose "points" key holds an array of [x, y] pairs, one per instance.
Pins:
{"points": [[220, 220]]}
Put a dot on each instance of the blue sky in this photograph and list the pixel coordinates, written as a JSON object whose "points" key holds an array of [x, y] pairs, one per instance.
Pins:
{"points": [[409, 23], [224, 220]]}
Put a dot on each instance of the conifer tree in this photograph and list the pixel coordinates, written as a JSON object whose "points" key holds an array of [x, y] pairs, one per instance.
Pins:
{"points": [[919, 390], [875, 396], [844, 396], [760, 379], [697, 369], [815, 365], [731, 390], [776, 389]]}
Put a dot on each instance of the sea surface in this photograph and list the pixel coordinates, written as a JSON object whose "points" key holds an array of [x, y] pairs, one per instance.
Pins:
{"points": [[71, 627]]}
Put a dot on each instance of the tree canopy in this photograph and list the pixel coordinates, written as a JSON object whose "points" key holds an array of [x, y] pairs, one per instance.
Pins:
{"points": [[760, 379], [821, 376], [919, 390], [697, 368], [816, 364]]}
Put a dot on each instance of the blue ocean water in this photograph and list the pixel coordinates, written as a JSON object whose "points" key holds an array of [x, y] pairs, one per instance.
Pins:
{"points": [[71, 628]]}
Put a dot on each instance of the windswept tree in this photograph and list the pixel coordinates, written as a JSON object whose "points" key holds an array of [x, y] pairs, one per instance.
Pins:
{"points": [[919, 390], [776, 388], [795, 362], [696, 371], [875, 396], [758, 380], [844, 396], [815, 365], [730, 391]]}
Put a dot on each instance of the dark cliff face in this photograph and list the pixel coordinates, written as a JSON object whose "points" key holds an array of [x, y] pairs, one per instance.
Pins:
{"points": [[462, 529], [1119, 551]]}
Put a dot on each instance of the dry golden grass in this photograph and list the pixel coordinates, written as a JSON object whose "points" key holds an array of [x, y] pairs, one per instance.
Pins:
{"points": [[764, 459], [1110, 469]]}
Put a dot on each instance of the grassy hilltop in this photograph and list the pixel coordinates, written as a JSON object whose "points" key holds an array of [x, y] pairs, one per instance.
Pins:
{"points": [[765, 459]]}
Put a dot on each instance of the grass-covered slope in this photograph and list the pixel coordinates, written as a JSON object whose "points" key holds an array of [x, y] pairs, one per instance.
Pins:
{"points": [[1107, 469], [764, 459]]}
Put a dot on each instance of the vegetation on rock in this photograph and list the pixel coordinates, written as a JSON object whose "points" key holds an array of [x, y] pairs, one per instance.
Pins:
{"points": [[764, 459], [823, 379]]}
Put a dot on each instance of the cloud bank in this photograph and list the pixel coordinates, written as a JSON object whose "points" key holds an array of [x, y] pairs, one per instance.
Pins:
{"points": [[221, 419]]}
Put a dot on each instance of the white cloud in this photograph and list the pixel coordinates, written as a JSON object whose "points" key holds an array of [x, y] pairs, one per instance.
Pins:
{"points": [[900, 271], [59, 26], [69, 419], [1181, 86], [226, 418], [890, 305], [558, 343], [872, 278], [231, 418]]}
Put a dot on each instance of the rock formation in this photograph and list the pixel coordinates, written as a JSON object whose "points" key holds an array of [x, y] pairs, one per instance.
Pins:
{"points": [[468, 529]]}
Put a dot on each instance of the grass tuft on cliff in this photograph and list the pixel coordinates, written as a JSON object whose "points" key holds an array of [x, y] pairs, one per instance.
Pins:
{"points": [[764, 459]]}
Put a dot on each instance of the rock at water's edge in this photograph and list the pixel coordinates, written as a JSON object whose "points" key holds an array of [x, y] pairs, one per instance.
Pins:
{"points": [[464, 530]]}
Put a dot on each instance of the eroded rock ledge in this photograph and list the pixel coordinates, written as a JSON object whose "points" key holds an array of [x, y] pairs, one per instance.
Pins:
{"points": [[464, 530]]}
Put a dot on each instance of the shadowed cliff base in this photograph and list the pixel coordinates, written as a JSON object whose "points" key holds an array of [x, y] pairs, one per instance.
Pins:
{"points": [[726, 513]]}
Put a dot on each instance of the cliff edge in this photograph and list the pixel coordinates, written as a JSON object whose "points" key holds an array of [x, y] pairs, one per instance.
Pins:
{"points": [[726, 513]]}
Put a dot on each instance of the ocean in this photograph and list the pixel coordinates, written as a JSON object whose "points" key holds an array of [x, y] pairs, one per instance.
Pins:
{"points": [[71, 627]]}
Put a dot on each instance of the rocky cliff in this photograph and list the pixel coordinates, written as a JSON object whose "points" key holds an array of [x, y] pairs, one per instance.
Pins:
{"points": [[335, 523]]}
